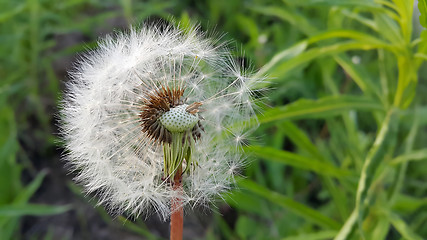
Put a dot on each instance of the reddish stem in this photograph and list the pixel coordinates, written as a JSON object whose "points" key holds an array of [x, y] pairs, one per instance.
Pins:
{"points": [[177, 217]]}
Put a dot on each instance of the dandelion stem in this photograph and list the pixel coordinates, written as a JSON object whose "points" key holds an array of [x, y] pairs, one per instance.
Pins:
{"points": [[177, 217]]}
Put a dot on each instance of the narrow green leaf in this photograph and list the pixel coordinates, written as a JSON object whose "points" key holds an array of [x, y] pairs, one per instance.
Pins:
{"points": [[298, 161], [247, 227], [295, 56], [296, 20], [388, 28], [416, 155], [384, 141], [381, 229], [359, 17], [402, 227], [407, 203], [360, 77], [299, 138], [361, 37], [141, 230], [356, 3], [30, 189], [422, 6], [313, 236], [421, 55], [399, 179], [407, 82], [8, 226], [6, 15], [224, 228], [300, 209], [317, 52], [284, 55], [246, 202], [31, 210], [348, 227], [322, 108]]}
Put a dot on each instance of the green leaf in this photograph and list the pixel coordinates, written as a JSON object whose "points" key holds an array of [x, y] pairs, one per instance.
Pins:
{"points": [[381, 229], [388, 28], [141, 230], [317, 52], [408, 204], [298, 161], [359, 17], [357, 3], [422, 6], [300, 209], [421, 54], [246, 227], [246, 202], [31, 210], [320, 235], [295, 56], [384, 141], [8, 226], [348, 227], [416, 155], [357, 73], [300, 139], [30, 189], [402, 227], [322, 108], [296, 20], [6, 15], [284, 55]]}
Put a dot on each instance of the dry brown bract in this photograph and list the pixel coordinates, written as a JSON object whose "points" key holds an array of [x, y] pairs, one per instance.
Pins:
{"points": [[159, 102]]}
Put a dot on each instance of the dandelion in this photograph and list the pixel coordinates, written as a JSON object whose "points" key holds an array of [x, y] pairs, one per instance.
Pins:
{"points": [[152, 120]]}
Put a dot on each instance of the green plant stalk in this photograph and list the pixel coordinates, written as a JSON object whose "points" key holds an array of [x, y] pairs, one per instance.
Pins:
{"points": [[398, 181], [407, 80], [384, 141], [302, 141]]}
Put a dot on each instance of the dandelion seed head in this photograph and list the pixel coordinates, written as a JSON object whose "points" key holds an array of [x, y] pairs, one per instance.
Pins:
{"points": [[128, 99]]}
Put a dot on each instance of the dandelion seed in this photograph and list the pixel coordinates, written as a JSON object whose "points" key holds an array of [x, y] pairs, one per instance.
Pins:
{"points": [[152, 106]]}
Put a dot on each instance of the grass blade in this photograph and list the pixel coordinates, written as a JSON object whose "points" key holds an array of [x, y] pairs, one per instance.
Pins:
{"points": [[313, 236], [324, 107], [402, 227], [383, 142], [300, 209], [30, 189], [412, 156], [422, 6], [314, 53], [296, 20], [299, 138], [348, 227], [360, 77], [298, 161], [31, 209]]}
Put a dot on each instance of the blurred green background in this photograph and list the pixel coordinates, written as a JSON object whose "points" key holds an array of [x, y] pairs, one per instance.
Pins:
{"points": [[340, 153]]}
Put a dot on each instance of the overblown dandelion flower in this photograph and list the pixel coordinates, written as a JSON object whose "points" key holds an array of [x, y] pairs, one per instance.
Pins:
{"points": [[150, 105]]}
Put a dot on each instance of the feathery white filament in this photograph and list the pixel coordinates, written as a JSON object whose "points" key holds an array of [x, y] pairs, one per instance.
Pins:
{"points": [[107, 149]]}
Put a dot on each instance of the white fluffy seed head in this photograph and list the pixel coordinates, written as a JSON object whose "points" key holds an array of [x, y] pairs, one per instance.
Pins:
{"points": [[177, 119], [101, 117]]}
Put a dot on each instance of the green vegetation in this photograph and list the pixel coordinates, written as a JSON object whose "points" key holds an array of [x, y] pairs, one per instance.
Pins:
{"points": [[340, 154]]}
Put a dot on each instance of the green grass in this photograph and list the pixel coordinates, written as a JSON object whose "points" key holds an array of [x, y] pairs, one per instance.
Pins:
{"points": [[340, 154]]}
